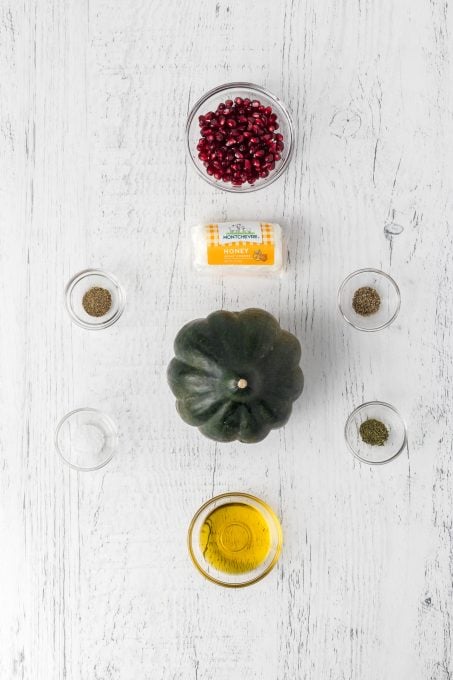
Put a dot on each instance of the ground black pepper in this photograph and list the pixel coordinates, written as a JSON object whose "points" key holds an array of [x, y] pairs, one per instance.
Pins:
{"points": [[366, 301], [97, 301], [374, 432]]}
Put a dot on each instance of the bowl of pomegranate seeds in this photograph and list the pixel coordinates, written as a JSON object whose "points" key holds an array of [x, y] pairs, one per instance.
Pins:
{"points": [[240, 137]]}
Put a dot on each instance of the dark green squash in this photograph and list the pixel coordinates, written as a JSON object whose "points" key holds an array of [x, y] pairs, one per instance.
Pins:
{"points": [[235, 375]]}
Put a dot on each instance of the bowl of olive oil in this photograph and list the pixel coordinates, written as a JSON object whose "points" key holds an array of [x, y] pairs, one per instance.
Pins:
{"points": [[235, 539]]}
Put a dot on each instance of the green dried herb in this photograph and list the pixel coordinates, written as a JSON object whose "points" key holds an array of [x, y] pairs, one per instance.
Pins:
{"points": [[97, 301], [374, 432], [366, 301]]}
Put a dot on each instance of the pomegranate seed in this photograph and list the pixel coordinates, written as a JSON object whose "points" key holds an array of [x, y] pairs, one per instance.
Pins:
{"points": [[238, 142]]}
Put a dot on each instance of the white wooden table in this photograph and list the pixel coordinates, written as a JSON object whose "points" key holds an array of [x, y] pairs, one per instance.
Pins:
{"points": [[95, 580]]}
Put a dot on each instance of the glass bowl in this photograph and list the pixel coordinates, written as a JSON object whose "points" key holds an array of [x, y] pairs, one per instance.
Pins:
{"points": [[86, 439], [387, 290], [241, 533], [374, 454], [81, 284], [210, 101]]}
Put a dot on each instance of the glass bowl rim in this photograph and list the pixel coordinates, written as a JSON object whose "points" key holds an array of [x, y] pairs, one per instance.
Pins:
{"points": [[74, 280], [389, 278], [277, 526], [254, 88], [357, 410], [86, 409]]}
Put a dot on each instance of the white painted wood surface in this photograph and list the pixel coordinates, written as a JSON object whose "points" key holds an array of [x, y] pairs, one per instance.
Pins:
{"points": [[95, 579]]}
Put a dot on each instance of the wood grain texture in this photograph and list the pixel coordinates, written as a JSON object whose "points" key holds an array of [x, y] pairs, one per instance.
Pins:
{"points": [[96, 581]]}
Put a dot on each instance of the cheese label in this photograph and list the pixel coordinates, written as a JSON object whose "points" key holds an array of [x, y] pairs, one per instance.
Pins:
{"points": [[236, 243]]}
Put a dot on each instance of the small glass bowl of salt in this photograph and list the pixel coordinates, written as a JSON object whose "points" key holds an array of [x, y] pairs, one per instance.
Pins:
{"points": [[86, 439]]}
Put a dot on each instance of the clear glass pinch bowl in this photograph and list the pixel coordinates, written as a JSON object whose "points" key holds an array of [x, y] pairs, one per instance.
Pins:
{"points": [[81, 284], [392, 419], [210, 102], [387, 290], [234, 539], [86, 439]]}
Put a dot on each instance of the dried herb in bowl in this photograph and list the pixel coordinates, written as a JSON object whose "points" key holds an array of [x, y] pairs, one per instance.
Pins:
{"points": [[97, 301], [366, 301], [374, 432]]}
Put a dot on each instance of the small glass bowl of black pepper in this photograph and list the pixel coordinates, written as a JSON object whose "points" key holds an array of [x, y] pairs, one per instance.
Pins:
{"points": [[95, 299], [369, 300], [375, 433]]}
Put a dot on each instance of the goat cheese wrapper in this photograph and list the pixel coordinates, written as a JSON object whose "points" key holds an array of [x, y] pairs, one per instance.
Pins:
{"points": [[238, 247]]}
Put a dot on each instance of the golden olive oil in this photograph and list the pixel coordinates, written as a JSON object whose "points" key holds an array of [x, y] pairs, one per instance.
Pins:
{"points": [[235, 538]]}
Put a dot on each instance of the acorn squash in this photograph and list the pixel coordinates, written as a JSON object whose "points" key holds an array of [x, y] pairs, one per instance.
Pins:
{"points": [[235, 375]]}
